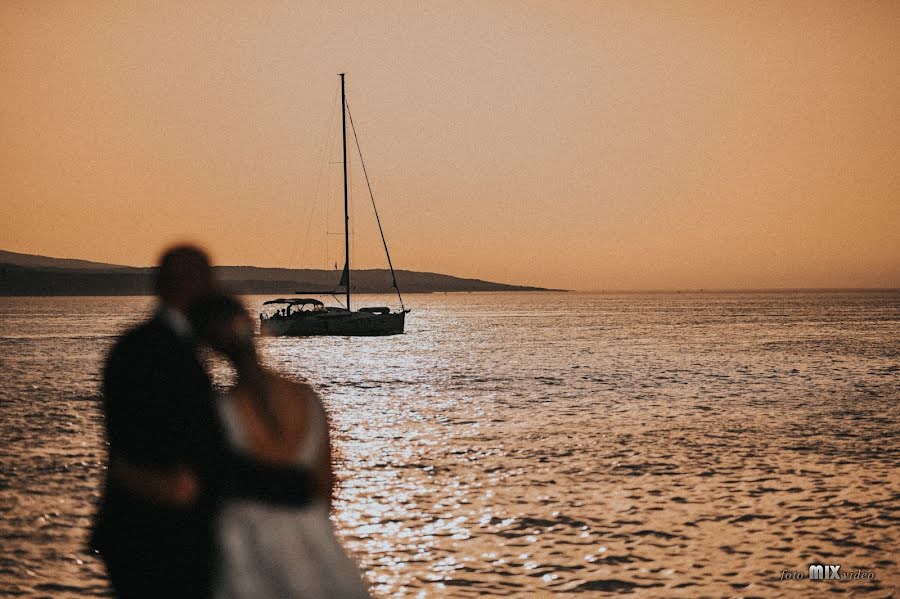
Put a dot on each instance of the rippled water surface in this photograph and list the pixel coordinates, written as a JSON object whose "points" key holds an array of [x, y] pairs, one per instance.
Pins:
{"points": [[516, 444]]}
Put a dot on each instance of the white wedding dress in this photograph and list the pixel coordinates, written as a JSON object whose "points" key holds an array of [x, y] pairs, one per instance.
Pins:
{"points": [[282, 551]]}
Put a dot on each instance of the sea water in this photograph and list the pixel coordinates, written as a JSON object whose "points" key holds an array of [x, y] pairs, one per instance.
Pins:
{"points": [[527, 444]]}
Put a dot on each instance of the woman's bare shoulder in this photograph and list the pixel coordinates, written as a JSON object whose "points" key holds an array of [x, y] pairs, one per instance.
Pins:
{"points": [[295, 389]]}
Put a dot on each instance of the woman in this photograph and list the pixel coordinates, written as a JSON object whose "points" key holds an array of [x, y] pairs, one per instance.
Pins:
{"points": [[268, 549]]}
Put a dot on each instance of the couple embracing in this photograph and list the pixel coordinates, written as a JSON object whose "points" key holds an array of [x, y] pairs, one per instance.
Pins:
{"points": [[220, 496]]}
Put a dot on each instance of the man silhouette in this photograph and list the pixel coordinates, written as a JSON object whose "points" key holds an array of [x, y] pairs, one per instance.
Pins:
{"points": [[169, 462]]}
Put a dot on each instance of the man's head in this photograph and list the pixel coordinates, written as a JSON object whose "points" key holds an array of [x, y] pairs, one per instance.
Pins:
{"points": [[184, 275]]}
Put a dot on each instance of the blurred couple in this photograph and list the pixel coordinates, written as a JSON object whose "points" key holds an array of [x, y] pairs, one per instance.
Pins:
{"points": [[221, 496]]}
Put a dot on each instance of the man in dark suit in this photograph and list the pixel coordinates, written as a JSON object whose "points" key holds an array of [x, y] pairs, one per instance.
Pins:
{"points": [[169, 462]]}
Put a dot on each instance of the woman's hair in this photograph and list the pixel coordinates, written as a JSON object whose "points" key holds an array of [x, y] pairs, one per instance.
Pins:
{"points": [[212, 317]]}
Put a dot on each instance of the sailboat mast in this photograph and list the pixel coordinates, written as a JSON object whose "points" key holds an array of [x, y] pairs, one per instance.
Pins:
{"points": [[346, 206]]}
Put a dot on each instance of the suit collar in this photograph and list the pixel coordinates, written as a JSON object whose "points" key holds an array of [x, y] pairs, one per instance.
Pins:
{"points": [[176, 322]]}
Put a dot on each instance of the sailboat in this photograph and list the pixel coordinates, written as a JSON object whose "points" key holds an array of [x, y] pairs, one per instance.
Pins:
{"points": [[307, 316]]}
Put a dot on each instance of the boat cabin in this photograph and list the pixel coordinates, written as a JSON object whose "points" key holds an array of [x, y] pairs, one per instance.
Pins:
{"points": [[288, 308]]}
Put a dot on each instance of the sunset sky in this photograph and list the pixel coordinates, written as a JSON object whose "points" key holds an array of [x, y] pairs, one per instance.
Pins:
{"points": [[585, 145]]}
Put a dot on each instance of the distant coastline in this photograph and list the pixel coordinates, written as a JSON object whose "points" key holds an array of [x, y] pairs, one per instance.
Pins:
{"points": [[30, 275]]}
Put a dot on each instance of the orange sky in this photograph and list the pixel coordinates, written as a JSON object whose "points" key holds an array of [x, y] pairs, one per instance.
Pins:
{"points": [[586, 145]]}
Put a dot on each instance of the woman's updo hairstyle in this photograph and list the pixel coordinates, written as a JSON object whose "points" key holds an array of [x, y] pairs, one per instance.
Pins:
{"points": [[213, 319]]}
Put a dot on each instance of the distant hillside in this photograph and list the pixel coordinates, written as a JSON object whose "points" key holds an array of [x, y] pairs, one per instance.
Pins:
{"points": [[18, 259], [23, 274]]}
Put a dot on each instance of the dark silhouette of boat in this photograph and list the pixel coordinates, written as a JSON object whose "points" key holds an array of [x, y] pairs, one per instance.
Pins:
{"points": [[303, 317]]}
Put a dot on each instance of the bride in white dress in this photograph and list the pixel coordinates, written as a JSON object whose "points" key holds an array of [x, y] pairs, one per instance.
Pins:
{"points": [[268, 549]]}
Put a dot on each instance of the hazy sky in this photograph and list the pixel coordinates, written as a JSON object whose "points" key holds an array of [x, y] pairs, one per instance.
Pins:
{"points": [[587, 145]]}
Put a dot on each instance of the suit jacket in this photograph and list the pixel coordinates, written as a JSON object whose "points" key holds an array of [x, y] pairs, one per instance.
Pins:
{"points": [[160, 413]]}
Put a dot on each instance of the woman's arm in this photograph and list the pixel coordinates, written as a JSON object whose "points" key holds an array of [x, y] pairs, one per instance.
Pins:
{"points": [[174, 487]]}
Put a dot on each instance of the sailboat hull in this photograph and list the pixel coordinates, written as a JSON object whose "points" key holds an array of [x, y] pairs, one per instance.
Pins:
{"points": [[344, 324]]}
